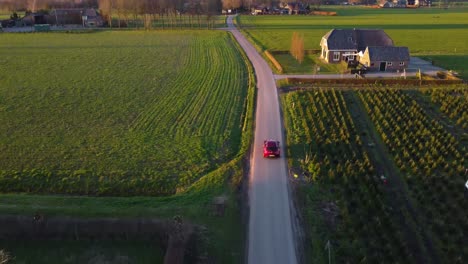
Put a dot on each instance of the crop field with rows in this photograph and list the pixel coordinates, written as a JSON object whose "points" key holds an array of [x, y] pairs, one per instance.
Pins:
{"points": [[432, 161], [118, 113], [453, 103], [423, 30], [344, 198]]}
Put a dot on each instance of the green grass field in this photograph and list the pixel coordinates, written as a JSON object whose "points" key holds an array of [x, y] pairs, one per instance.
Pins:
{"points": [[432, 33], [126, 114], [291, 65], [118, 113]]}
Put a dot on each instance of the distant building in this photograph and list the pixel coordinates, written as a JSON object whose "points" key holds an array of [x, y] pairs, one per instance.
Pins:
{"points": [[260, 10], [386, 4], [294, 8], [32, 19], [87, 17], [399, 3], [412, 3]]}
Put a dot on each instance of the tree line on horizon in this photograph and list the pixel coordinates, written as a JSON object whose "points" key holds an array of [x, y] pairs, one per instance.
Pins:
{"points": [[169, 13], [201, 6], [206, 6]]}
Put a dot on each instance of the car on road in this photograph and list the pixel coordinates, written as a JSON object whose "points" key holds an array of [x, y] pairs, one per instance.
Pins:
{"points": [[271, 148]]}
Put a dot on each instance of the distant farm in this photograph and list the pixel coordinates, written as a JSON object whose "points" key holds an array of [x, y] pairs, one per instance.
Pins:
{"points": [[438, 35], [118, 113]]}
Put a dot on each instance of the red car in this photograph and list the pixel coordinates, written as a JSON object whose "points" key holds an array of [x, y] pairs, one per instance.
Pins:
{"points": [[271, 148]]}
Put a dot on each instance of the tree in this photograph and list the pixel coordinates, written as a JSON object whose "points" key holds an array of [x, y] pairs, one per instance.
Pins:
{"points": [[105, 7], [231, 4], [5, 257], [297, 47]]}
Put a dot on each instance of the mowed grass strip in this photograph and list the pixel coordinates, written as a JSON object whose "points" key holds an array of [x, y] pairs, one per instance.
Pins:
{"points": [[433, 33], [118, 113]]}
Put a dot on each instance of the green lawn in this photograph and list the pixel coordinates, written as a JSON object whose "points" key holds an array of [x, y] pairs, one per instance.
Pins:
{"points": [[128, 113], [428, 32], [310, 64], [118, 113]]}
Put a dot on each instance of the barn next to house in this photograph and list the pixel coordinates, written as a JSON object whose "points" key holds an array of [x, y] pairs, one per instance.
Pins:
{"points": [[385, 58], [86, 17]]}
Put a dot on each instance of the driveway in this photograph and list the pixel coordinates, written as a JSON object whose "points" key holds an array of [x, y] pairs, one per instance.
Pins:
{"points": [[426, 66], [414, 66], [270, 238]]}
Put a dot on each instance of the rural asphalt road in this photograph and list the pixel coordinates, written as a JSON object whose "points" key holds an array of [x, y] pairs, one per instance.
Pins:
{"points": [[270, 238]]}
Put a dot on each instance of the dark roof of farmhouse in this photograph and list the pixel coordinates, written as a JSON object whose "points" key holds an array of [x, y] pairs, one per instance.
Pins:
{"points": [[356, 39], [90, 12], [388, 53]]}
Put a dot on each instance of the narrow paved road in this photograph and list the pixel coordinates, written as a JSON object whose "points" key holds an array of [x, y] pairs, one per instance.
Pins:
{"points": [[271, 238]]}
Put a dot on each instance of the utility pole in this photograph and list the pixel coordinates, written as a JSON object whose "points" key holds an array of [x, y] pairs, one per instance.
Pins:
{"points": [[328, 246], [56, 18]]}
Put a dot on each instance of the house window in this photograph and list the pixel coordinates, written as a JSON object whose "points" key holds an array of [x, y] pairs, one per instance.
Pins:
{"points": [[402, 63], [389, 63], [336, 56], [348, 56]]}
